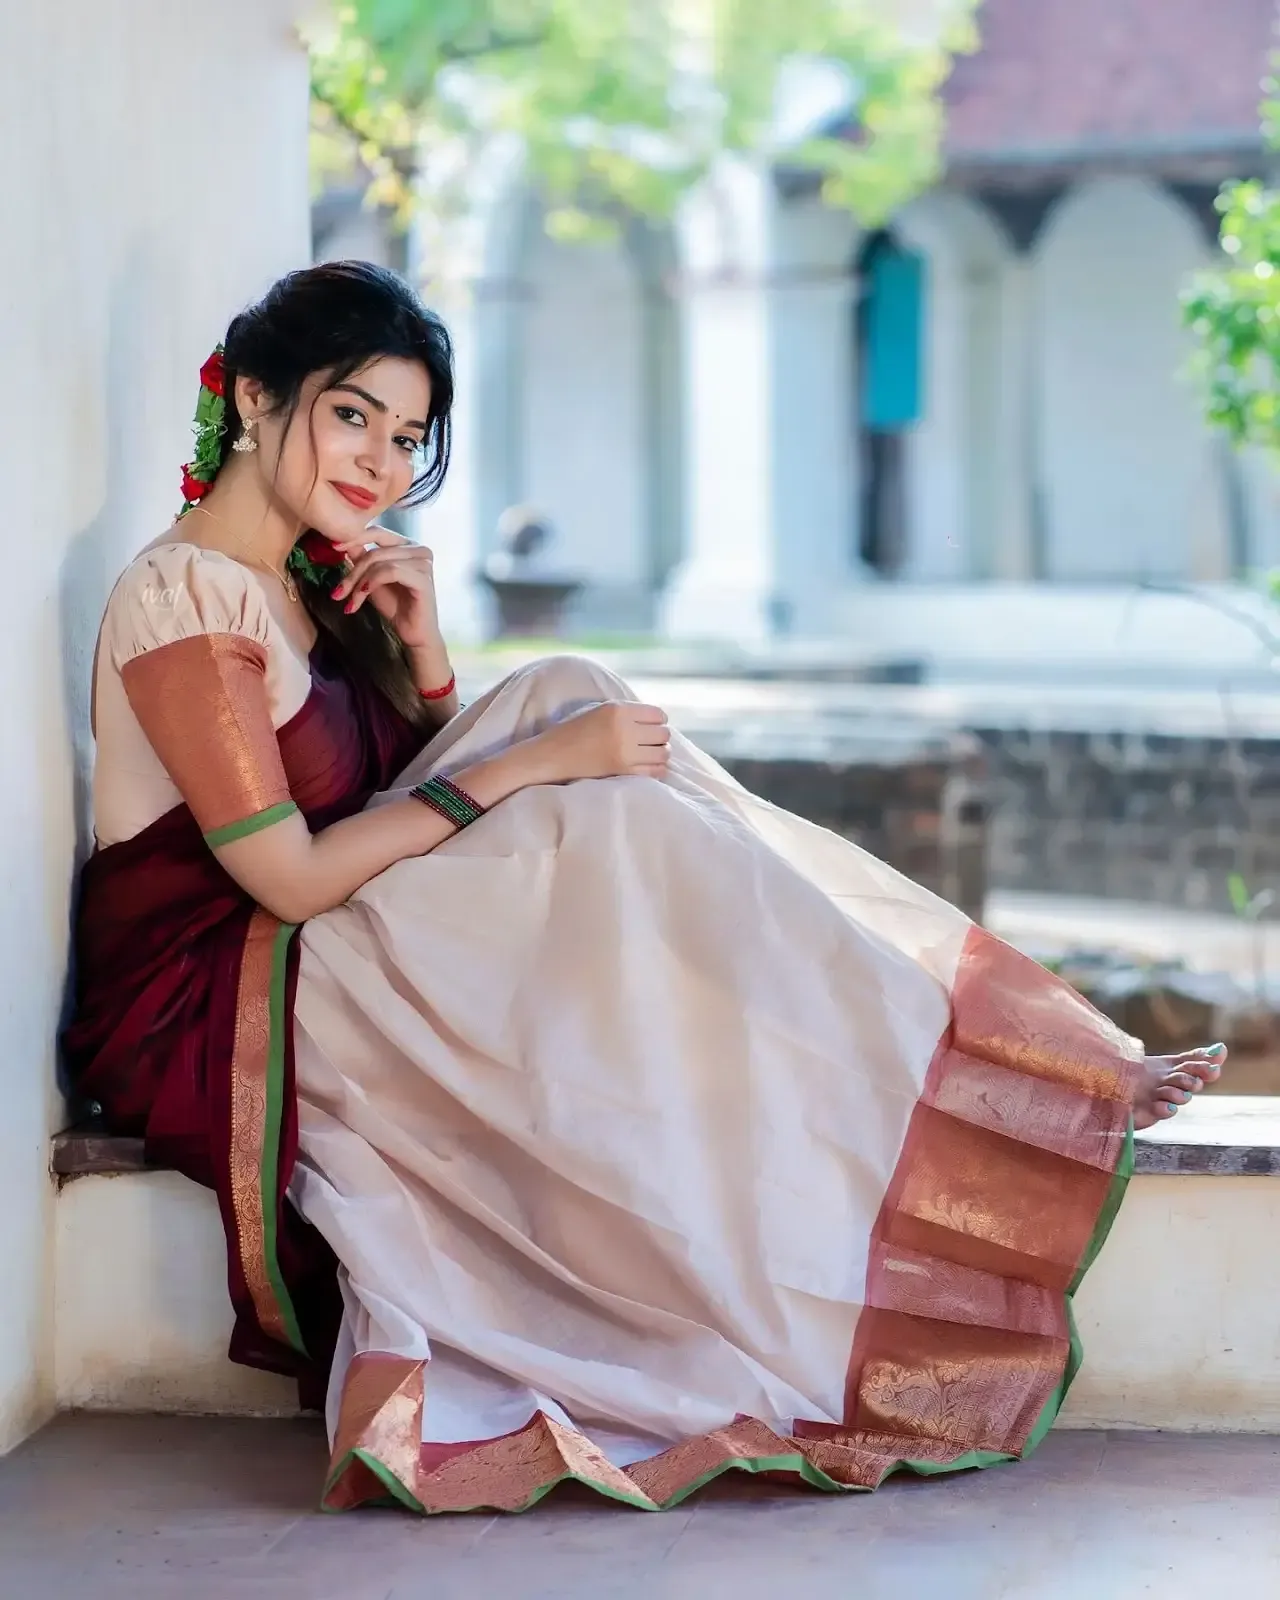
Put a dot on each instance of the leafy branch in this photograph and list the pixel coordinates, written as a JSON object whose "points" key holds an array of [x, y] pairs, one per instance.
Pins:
{"points": [[1233, 309], [621, 105]]}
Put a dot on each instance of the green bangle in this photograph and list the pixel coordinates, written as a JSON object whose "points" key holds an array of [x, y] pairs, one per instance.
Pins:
{"points": [[452, 803]]}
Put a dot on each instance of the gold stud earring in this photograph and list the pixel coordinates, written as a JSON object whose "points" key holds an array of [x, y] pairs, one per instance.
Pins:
{"points": [[246, 444]]}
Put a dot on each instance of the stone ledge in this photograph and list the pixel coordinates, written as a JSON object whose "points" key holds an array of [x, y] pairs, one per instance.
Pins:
{"points": [[1220, 1136], [87, 1153]]}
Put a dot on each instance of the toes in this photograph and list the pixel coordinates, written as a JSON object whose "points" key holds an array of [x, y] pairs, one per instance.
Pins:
{"points": [[1156, 1110], [1211, 1054], [1174, 1093], [1177, 1079], [1204, 1064]]}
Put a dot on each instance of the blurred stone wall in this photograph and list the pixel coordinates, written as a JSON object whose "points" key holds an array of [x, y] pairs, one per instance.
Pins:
{"points": [[1134, 816]]}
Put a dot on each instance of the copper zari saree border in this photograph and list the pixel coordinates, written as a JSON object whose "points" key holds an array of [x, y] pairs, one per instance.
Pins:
{"points": [[1013, 1169], [257, 1105]]}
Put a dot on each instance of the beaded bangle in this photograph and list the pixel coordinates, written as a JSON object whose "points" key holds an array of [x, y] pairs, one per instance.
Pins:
{"points": [[453, 804], [441, 694]]}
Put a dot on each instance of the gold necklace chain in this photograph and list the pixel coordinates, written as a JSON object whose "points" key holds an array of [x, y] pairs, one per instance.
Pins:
{"points": [[284, 575]]}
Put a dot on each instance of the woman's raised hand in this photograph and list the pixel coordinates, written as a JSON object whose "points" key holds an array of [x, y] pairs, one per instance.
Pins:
{"points": [[616, 740]]}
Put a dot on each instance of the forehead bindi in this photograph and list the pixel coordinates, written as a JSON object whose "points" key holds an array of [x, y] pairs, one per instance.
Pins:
{"points": [[403, 388]]}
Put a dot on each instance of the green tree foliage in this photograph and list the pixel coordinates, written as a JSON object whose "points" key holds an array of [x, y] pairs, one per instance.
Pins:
{"points": [[625, 103], [1233, 309]]}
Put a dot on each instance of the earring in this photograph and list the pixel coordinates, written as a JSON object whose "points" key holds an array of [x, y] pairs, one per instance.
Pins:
{"points": [[246, 444]]}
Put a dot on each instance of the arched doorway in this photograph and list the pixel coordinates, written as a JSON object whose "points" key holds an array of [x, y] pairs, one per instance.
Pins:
{"points": [[1132, 480]]}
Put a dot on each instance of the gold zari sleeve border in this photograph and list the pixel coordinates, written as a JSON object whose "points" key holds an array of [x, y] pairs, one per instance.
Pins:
{"points": [[202, 704]]}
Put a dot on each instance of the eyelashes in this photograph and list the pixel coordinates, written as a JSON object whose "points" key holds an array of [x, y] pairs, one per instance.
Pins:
{"points": [[408, 442]]}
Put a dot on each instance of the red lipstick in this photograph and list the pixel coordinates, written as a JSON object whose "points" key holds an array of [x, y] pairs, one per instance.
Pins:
{"points": [[362, 498]]}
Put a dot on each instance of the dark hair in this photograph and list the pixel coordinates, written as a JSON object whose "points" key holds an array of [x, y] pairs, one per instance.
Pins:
{"points": [[337, 318]]}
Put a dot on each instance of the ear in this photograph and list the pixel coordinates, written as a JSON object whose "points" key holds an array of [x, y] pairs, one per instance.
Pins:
{"points": [[252, 400]]}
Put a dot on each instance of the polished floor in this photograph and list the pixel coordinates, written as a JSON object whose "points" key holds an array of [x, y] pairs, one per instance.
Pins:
{"points": [[130, 1508]]}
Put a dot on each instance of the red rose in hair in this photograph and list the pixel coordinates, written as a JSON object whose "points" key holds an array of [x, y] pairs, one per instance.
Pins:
{"points": [[213, 374], [319, 552], [193, 488]]}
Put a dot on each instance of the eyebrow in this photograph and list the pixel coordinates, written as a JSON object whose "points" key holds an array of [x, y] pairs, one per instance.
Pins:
{"points": [[372, 400]]}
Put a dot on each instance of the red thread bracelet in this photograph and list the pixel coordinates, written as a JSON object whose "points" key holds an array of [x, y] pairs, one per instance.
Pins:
{"points": [[441, 694]]}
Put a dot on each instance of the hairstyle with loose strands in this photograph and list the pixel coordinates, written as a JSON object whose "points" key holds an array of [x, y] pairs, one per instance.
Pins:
{"points": [[338, 318]]}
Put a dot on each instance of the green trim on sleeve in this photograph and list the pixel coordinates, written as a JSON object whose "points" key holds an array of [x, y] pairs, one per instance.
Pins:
{"points": [[217, 837]]}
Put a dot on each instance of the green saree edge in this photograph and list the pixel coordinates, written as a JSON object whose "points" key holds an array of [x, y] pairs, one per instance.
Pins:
{"points": [[792, 1462], [270, 1168], [397, 1492], [795, 1462], [1075, 1348]]}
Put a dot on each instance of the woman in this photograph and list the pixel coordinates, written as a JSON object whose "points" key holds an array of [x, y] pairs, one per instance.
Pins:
{"points": [[571, 1111]]}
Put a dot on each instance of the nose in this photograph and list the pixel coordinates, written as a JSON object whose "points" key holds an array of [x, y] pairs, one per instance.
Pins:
{"points": [[373, 458]]}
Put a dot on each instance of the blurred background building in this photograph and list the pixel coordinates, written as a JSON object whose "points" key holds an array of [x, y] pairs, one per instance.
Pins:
{"points": [[963, 450], [965, 435]]}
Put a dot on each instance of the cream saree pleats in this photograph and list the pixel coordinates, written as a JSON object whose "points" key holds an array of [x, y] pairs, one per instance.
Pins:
{"points": [[659, 1132]]}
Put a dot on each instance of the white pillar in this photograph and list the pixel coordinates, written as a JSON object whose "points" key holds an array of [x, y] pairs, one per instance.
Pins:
{"points": [[981, 422], [770, 443], [1014, 557], [725, 585]]}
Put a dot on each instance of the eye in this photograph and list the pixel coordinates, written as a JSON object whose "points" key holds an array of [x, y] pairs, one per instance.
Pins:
{"points": [[410, 443], [351, 414]]}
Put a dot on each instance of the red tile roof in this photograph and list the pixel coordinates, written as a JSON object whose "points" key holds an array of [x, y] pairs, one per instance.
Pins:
{"points": [[1057, 76]]}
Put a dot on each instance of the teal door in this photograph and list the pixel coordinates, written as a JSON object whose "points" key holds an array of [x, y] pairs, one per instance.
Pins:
{"points": [[890, 335], [893, 309]]}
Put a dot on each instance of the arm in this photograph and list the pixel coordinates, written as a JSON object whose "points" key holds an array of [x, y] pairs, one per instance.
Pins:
{"points": [[203, 706], [189, 634], [296, 874]]}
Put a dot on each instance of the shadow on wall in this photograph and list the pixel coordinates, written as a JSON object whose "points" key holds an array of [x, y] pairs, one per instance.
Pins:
{"points": [[88, 572]]}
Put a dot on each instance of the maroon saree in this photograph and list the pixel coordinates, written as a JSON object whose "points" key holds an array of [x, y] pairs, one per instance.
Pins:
{"points": [[182, 1031]]}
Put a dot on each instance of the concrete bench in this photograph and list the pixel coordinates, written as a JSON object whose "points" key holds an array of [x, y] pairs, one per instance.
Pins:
{"points": [[1180, 1315]]}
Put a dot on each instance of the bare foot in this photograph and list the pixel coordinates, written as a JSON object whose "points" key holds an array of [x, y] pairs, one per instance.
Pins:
{"points": [[1172, 1080]]}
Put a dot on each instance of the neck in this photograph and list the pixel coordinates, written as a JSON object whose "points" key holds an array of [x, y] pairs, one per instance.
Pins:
{"points": [[242, 518]]}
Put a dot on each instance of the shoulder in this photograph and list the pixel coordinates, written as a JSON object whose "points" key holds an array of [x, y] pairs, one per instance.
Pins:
{"points": [[176, 591]]}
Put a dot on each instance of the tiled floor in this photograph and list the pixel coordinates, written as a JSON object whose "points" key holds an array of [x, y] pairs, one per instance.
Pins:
{"points": [[147, 1508]]}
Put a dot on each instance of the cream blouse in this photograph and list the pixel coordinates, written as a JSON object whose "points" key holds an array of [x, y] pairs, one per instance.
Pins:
{"points": [[193, 674]]}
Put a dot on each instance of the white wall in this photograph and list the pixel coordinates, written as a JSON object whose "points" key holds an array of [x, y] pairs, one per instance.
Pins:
{"points": [[1189, 1254], [1131, 483], [154, 178]]}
